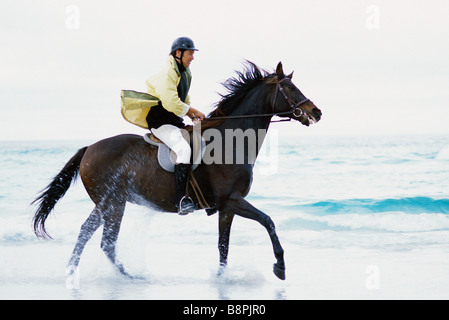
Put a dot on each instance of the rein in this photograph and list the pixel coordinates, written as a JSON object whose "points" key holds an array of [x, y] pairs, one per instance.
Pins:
{"points": [[294, 107]]}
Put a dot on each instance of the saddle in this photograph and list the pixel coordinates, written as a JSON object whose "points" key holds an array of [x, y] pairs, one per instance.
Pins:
{"points": [[167, 158]]}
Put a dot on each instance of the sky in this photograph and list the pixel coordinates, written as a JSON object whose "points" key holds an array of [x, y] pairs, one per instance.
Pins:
{"points": [[371, 66]]}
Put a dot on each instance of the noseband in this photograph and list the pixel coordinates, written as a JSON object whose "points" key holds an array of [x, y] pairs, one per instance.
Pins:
{"points": [[294, 107]]}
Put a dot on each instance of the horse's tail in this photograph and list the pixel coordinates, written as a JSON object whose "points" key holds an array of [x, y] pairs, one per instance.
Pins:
{"points": [[55, 191]]}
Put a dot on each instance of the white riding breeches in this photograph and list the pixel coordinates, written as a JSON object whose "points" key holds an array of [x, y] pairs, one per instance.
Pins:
{"points": [[173, 138]]}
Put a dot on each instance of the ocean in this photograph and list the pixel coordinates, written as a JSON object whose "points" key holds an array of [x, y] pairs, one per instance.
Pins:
{"points": [[364, 217]]}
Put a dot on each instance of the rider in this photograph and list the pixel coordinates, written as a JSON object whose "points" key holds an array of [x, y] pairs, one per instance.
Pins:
{"points": [[171, 87]]}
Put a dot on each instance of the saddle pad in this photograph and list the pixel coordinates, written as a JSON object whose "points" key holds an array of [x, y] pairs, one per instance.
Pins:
{"points": [[167, 157]]}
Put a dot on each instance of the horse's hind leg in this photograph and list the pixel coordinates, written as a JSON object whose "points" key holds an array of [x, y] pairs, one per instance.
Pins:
{"points": [[88, 228], [110, 213], [112, 220]]}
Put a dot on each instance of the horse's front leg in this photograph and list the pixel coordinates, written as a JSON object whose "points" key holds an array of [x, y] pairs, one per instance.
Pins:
{"points": [[244, 209], [224, 229]]}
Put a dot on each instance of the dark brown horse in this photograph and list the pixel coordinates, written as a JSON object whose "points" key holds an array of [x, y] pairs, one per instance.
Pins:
{"points": [[125, 167]]}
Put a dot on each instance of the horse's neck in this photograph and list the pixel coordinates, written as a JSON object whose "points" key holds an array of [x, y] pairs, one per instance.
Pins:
{"points": [[252, 129], [253, 104], [255, 107]]}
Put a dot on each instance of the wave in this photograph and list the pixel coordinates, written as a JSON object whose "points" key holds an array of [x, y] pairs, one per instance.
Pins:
{"points": [[406, 205], [409, 214]]}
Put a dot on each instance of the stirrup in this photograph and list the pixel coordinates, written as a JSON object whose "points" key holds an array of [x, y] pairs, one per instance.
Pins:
{"points": [[187, 208]]}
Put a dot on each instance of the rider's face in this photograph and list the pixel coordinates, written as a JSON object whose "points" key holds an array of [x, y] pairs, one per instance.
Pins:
{"points": [[187, 57]]}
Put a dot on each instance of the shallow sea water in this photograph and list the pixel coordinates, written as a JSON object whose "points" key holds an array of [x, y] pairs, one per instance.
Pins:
{"points": [[358, 217]]}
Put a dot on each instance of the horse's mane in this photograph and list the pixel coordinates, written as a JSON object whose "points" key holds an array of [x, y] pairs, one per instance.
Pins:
{"points": [[238, 87]]}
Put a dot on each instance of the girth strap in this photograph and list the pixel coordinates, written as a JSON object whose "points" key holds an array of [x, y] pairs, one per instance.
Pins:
{"points": [[198, 193]]}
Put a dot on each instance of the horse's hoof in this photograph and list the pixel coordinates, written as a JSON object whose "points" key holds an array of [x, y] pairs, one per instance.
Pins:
{"points": [[122, 271], [221, 270], [279, 271], [130, 276]]}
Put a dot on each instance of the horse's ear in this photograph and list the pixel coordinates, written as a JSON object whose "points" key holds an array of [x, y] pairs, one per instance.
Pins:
{"points": [[290, 76], [280, 70]]}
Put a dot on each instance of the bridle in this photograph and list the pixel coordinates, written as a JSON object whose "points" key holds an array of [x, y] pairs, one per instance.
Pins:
{"points": [[294, 107]]}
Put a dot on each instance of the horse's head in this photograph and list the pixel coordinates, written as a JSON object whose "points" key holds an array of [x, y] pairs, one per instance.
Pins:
{"points": [[289, 101]]}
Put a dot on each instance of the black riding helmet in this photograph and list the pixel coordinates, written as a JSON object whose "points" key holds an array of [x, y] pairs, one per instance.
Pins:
{"points": [[182, 43]]}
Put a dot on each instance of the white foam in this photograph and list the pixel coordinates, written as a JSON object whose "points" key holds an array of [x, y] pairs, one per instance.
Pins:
{"points": [[443, 154]]}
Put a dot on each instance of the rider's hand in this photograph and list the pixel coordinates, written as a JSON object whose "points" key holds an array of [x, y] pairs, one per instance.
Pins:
{"points": [[195, 114]]}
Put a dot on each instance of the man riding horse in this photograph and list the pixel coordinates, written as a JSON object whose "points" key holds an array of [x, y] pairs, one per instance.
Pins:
{"points": [[124, 168], [171, 87]]}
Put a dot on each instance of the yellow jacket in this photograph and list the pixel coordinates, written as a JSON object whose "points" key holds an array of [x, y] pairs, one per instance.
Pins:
{"points": [[161, 87]]}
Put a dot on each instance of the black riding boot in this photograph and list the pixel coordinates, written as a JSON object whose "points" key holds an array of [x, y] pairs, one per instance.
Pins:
{"points": [[184, 204]]}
